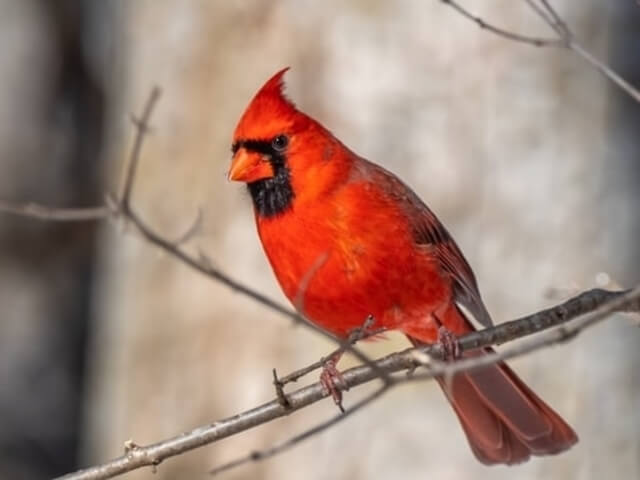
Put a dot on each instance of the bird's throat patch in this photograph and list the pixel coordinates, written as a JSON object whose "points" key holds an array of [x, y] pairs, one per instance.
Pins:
{"points": [[271, 196]]}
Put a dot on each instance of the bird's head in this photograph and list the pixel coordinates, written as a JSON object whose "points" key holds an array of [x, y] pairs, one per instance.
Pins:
{"points": [[280, 152]]}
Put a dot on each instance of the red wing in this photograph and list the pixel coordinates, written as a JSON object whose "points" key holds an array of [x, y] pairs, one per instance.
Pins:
{"points": [[427, 230], [465, 288]]}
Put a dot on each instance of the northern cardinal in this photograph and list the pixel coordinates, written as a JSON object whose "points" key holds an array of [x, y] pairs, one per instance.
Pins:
{"points": [[347, 239]]}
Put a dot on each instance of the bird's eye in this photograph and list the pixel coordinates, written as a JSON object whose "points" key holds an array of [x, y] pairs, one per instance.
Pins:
{"points": [[280, 143]]}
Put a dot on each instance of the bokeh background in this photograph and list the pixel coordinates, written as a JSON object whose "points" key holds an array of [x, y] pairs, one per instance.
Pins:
{"points": [[528, 155]]}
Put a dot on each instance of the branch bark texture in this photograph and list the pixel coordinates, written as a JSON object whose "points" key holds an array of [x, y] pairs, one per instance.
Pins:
{"points": [[597, 304]]}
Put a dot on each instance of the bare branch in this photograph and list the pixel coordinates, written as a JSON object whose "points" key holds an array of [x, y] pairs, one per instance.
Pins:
{"points": [[566, 39], [306, 279], [288, 444], [600, 302], [604, 69], [192, 231], [206, 268], [535, 41], [355, 336], [142, 125], [542, 12], [557, 23], [41, 212], [627, 301]]}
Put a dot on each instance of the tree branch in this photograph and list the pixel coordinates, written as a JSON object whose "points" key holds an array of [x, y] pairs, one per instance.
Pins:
{"points": [[517, 37], [142, 126], [259, 455], [41, 212], [619, 301], [598, 304], [566, 39]]}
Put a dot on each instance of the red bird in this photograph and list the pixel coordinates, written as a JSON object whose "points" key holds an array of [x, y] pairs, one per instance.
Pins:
{"points": [[347, 239]]}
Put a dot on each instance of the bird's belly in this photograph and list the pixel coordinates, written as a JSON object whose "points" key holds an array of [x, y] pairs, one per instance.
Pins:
{"points": [[340, 303], [338, 286]]}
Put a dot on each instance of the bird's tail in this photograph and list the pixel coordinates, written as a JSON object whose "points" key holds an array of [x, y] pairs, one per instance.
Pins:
{"points": [[504, 420]]}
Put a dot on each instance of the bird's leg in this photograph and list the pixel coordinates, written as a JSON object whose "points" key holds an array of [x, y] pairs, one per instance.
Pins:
{"points": [[449, 343], [332, 380]]}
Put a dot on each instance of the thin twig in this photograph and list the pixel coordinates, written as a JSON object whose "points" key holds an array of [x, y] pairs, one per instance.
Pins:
{"points": [[533, 4], [42, 212], [298, 374], [259, 455], [142, 124], [279, 386], [566, 40], [201, 264], [557, 23], [535, 41], [306, 279], [192, 231], [155, 453], [358, 334], [604, 69], [205, 267]]}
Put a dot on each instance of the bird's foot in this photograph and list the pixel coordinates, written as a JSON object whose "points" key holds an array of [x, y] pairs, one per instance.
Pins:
{"points": [[450, 344], [333, 383]]}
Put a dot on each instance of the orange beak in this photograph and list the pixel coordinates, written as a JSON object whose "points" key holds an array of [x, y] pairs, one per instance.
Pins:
{"points": [[249, 167]]}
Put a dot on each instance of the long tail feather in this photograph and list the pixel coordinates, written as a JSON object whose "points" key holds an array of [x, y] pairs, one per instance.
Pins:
{"points": [[504, 420]]}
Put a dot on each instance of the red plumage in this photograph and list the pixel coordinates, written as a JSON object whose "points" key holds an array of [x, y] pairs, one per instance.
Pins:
{"points": [[347, 239]]}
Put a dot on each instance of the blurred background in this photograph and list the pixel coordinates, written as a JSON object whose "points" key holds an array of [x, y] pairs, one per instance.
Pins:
{"points": [[528, 155]]}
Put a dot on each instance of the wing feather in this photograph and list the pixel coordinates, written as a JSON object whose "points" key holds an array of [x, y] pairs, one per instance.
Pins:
{"points": [[427, 230]]}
